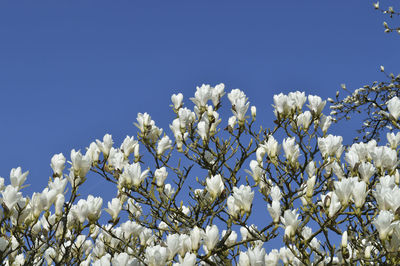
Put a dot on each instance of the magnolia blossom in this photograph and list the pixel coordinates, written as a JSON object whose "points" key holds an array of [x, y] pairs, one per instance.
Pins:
{"points": [[128, 146], [331, 146], [304, 120], [186, 118], [114, 207], [275, 210], [290, 222], [211, 236], [344, 189], [393, 139], [80, 164], [393, 106], [11, 196], [215, 185], [325, 122], [383, 223], [291, 149], [18, 178], [164, 144], [243, 197], [161, 174], [58, 164], [240, 104], [106, 145], [202, 95], [177, 100], [316, 104], [132, 175], [359, 193], [202, 129]]}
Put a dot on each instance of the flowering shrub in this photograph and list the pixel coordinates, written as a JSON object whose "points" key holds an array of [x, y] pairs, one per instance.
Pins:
{"points": [[314, 188], [186, 196]]}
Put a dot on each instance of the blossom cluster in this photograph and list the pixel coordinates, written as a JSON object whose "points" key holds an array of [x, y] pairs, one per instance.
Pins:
{"points": [[312, 184]]}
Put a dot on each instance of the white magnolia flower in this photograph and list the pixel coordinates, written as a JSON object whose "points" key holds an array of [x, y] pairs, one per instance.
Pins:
{"points": [[94, 205], [325, 122], [256, 255], [188, 260], [144, 122], [273, 147], [11, 196], [359, 193], [393, 139], [202, 129], [256, 172], [331, 146], [272, 258], [195, 237], [344, 189], [275, 210], [290, 222], [394, 107], [240, 104], [384, 158], [202, 95], [316, 104], [233, 208], [80, 164], [243, 259], [128, 146], [276, 194], [93, 152], [156, 255], [282, 105], [58, 164], [114, 207], [59, 204], [106, 145], [216, 93], [383, 223], [132, 175], [177, 100], [160, 174], [297, 99], [211, 237], [186, 118], [304, 120], [123, 259], [366, 170], [243, 197], [231, 238], [173, 245], [291, 150], [232, 122], [215, 185], [18, 178], [164, 144]]}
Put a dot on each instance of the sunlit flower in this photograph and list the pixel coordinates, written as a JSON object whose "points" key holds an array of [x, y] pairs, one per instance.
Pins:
{"points": [[290, 222], [58, 164], [383, 223], [106, 145], [18, 178], [177, 100], [114, 207], [164, 144], [215, 185], [393, 106]]}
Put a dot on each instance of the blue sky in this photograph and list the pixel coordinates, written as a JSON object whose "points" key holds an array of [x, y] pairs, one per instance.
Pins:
{"points": [[71, 71]]}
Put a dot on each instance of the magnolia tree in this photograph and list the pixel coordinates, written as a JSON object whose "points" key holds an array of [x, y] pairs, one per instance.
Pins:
{"points": [[185, 196]]}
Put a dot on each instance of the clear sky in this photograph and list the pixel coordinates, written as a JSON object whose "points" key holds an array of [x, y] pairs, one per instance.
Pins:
{"points": [[71, 71]]}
